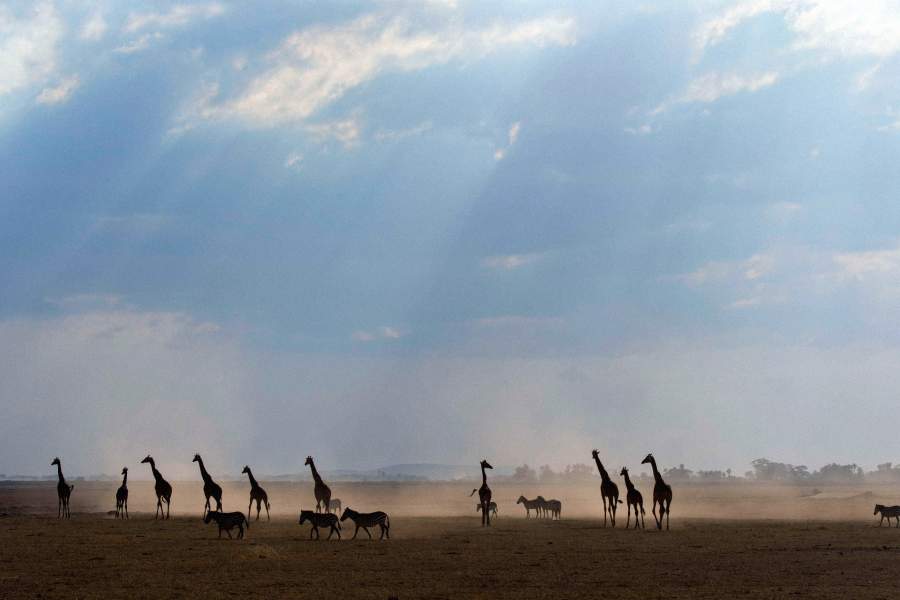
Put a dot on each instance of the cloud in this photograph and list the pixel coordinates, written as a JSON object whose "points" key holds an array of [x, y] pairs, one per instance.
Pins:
{"points": [[28, 46], [511, 137], [139, 44], [94, 27], [177, 16], [315, 67], [509, 262], [60, 93], [783, 213], [346, 131], [645, 129], [714, 30], [385, 332], [746, 303], [293, 160], [712, 86], [393, 135], [861, 265]]}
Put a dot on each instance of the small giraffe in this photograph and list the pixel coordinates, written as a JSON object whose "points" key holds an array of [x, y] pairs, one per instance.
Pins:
{"points": [[211, 489], [162, 488], [635, 499], [63, 491], [609, 491], [662, 494], [122, 496], [322, 491], [256, 494], [484, 495]]}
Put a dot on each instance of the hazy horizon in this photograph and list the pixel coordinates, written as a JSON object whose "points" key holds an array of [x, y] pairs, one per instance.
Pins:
{"points": [[400, 232]]}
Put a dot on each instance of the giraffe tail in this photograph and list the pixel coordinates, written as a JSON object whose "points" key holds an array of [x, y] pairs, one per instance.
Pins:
{"points": [[71, 487], [473, 492], [268, 506]]}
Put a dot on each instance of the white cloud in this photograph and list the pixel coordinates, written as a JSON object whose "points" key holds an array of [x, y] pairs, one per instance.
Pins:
{"points": [[94, 27], [385, 332], [346, 131], [783, 213], [314, 67], [177, 16], [293, 160], [758, 266], [746, 303], [509, 262], [28, 46], [60, 93], [860, 265], [645, 129], [139, 44], [511, 137], [392, 135], [714, 30]]}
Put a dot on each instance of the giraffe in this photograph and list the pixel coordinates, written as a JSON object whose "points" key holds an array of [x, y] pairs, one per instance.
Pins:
{"points": [[635, 499], [210, 487], [608, 491], [484, 495], [258, 494], [162, 488], [122, 496], [662, 494], [63, 491], [322, 491]]}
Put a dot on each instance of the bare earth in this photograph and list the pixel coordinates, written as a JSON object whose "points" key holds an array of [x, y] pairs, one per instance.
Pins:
{"points": [[825, 548]]}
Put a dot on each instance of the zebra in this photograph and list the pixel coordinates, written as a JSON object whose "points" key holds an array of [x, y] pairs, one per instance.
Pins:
{"points": [[227, 521], [888, 512], [530, 505], [492, 508], [543, 509], [555, 508], [366, 520], [321, 520], [334, 505]]}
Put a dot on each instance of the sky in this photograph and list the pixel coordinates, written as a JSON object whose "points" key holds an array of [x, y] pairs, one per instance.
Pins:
{"points": [[437, 231]]}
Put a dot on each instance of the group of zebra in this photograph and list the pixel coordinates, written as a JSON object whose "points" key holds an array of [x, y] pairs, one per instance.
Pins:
{"points": [[544, 508]]}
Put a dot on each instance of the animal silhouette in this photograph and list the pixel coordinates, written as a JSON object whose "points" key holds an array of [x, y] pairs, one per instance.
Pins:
{"points": [[530, 505], [543, 507], [122, 496], [554, 507], [257, 494], [63, 491], [493, 509], [484, 495], [162, 488], [322, 491], [317, 519], [211, 489], [228, 521], [334, 505], [887, 512], [366, 520], [609, 491], [662, 494], [635, 499]]}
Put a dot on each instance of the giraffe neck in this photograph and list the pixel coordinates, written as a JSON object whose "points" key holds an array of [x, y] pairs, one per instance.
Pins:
{"points": [[315, 473], [656, 474], [483, 476], [124, 478], [203, 472], [253, 483], [603, 474], [628, 483], [156, 474], [59, 472]]}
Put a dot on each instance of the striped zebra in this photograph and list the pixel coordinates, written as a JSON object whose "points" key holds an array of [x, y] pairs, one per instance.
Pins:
{"points": [[530, 505], [887, 512], [227, 521], [366, 520], [555, 508], [317, 519], [544, 509], [492, 508]]}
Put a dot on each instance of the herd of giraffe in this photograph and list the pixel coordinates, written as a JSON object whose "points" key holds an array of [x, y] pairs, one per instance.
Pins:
{"points": [[609, 492]]}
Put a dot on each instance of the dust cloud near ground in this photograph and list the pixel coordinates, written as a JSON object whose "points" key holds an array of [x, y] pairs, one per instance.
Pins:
{"points": [[748, 540]]}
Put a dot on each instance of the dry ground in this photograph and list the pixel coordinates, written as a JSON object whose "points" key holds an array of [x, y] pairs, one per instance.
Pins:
{"points": [[93, 555]]}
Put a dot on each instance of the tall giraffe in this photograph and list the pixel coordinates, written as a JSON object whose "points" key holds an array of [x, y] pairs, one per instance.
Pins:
{"points": [[210, 487], [609, 491], [258, 494], [634, 498], [322, 491], [122, 496], [162, 488], [662, 494], [63, 491], [484, 495]]}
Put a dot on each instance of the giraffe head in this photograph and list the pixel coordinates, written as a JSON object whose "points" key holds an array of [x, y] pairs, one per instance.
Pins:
{"points": [[486, 465], [197, 458], [56, 462], [124, 470], [148, 459], [246, 469], [309, 461], [648, 459], [595, 454], [624, 472]]}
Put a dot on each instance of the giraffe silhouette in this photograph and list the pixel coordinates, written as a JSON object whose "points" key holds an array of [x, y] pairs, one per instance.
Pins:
{"points": [[484, 495], [256, 494], [609, 491], [122, 496], [210, 487], [63, 491], [635, 499], [322, 491], [662, 494], [162, 488]]}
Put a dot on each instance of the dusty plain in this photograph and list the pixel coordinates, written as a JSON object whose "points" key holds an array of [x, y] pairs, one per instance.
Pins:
{"points": [[726, 541]]}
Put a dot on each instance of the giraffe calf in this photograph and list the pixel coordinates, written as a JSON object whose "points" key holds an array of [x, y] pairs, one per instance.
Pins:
{"points": [[228, 521]]}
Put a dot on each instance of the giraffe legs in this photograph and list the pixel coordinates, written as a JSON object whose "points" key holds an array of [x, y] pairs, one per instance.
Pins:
{"points": [[628, 518], [604, 510]]}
